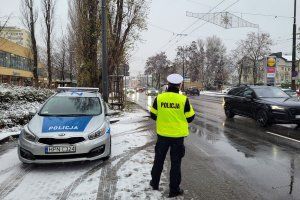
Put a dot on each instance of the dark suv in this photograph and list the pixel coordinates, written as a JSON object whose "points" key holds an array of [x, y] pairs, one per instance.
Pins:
{"points": [[192, 91], [266, 104]]}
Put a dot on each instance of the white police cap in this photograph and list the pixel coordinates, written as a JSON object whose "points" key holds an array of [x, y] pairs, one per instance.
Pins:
{"points": [[175, 78]]}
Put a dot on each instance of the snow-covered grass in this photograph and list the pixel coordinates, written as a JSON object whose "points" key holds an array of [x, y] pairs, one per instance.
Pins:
{"points": [[15, 104]]}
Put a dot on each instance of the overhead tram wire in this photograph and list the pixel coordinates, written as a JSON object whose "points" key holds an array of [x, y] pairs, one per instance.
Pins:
{"points": [[206, 21], [264, 15], [181, 33]]}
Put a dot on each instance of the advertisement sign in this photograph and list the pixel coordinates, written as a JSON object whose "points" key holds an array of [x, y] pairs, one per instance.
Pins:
{"points": [[271, 61], [271, 70], [271, 75]]}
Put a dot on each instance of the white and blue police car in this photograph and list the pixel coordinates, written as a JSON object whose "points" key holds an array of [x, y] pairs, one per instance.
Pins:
{"points": [[72, 125]]}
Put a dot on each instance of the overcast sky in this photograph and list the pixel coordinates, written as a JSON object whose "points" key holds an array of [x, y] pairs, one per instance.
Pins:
{"points": [[167, 19]]}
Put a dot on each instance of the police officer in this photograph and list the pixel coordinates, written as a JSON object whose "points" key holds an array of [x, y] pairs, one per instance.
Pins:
{"points": [[172, 112]]}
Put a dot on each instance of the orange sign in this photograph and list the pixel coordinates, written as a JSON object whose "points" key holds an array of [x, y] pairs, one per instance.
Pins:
{"points": [[271, 61]]}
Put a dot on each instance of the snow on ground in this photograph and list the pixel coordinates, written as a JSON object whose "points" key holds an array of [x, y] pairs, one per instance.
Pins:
{"points": [[132, 158], [80, 181]]}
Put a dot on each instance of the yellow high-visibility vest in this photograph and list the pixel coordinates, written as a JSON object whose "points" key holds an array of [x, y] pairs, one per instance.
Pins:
{"points": [[171, 119]]}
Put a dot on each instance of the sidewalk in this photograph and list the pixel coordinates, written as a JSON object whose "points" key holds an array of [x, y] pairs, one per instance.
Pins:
{"points": [[125, 175]]}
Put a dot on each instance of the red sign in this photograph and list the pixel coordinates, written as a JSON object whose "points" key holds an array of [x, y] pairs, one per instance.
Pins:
{"points": [[271, 70]]}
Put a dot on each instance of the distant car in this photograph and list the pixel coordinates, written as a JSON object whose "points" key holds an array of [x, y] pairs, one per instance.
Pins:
{"points": [[266, 104], [72, 125], [151, 92], [130, 90], [290, 92], [192, 91], [139, 89]]}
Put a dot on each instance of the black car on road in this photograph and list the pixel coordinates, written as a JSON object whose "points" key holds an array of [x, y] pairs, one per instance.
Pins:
{"points": [[192, 91], [266, 104]]}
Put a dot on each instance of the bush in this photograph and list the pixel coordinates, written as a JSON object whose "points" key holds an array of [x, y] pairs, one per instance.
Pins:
{"points": [[17, 101]]}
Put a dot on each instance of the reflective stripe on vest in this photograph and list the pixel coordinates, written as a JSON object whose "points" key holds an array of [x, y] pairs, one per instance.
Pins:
{"points": [[171, 120]]}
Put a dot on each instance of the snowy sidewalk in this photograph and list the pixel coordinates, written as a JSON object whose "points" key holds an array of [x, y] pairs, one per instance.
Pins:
{"points": [[125, 175]]}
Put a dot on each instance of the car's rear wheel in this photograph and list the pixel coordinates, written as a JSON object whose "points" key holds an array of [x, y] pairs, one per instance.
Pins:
{"points": [[262, 118], [228, 111]]}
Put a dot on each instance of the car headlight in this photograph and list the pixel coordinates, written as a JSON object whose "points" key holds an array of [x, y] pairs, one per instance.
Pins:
{"points": [[277, 108], [97, 134], [28, 136]]}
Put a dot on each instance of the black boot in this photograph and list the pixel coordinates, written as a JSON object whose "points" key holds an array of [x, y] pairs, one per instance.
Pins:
{"points": [[176, 193], [154, 187]]}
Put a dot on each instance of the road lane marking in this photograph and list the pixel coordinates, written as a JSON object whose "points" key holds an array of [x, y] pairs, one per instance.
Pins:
{"points": [[283, 137], [199, 148]]}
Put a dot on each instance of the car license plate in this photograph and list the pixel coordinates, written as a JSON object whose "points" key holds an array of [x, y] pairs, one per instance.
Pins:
{"points": [[297, 116], [60, 149]]}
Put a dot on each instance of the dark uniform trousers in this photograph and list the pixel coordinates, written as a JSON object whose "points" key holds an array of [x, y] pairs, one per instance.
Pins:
{"points": [[177, 151]]}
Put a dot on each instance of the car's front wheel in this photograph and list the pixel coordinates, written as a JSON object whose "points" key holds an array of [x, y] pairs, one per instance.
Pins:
{"points": [[228, 111], [262, 118]]}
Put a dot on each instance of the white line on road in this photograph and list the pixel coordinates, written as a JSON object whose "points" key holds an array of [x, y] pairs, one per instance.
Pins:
{"points": [[199, 148], [283, 137]]}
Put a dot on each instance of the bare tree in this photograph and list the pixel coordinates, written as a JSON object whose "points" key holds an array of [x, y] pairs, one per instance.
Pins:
{"points": [[4, 23], [29, 18], [126, 19], [159, 66], [182, 57], [256, 46], [196, 57], [60, 59], [238, 61], [48, 7], [215, 64]]}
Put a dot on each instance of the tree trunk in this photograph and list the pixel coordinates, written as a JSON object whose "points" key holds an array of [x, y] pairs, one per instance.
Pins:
{"points": [[33, 42]]}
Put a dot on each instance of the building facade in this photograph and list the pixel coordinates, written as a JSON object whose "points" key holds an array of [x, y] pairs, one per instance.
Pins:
{"points": [[283, 70], [16, 64], [17, 35]]}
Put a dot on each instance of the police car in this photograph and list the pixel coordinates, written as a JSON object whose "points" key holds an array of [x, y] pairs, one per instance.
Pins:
{"points": [[72, 125]]}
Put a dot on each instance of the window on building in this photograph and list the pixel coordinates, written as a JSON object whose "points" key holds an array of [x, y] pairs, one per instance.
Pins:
{"points": [[15, 61]]}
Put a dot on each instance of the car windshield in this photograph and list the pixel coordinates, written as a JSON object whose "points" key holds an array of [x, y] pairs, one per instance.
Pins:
{"points": [[270, 92], [71, 106]]}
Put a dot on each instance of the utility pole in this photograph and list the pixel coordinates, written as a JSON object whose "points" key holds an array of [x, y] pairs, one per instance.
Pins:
{"points": [[294, 72], [104, 53]]}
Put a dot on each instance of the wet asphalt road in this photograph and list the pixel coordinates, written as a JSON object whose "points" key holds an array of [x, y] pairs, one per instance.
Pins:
{"points": [[236, 159]]}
